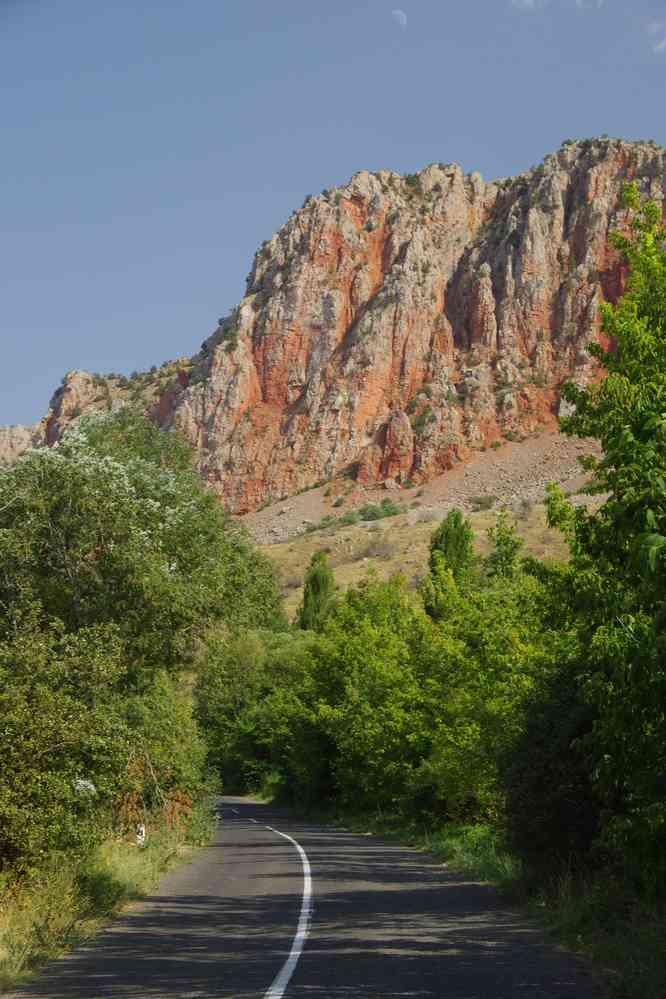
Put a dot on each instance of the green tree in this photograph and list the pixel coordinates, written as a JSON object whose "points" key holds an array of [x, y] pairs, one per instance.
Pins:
{"points": [[496, 642], [318, 594], [370, 695], [166, 747], [454, 539], [94, 538], [506, 544], [552, 814], [254, 700], [617, 586], [438, 587], [125, 434]]}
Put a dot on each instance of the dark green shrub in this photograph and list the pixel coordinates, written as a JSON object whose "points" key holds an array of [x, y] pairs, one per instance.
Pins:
{"points": [[377, 511], [420, 422], [318, 594], [454, 539], [552, 813]]}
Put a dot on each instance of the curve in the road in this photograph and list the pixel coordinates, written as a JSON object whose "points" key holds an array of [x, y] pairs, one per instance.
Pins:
{"points": [[389, 923], [279, 986]]}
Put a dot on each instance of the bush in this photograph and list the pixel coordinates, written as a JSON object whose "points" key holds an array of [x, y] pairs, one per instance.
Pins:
{"points": [[420, 422], [553, 814], [426, 516], [56, 907], [479, 503], [379, 548], [55, 791], [327, 521], [377, 511], [526, 507]]}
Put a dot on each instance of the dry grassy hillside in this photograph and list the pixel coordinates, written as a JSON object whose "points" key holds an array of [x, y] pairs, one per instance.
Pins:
{"points": [[395, 544]]}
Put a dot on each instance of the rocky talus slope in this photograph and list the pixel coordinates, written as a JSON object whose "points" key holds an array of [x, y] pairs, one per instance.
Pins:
{"points": [[393, 326]]}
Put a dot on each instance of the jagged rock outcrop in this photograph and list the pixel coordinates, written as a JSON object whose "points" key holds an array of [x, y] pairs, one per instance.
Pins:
{"points": [[392, 326]]}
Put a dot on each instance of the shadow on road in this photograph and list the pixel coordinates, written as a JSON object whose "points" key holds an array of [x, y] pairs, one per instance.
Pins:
{"points": [[388, 923]]}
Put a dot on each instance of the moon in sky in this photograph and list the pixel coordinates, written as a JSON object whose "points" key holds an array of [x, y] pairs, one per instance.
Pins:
{"points": [[400, 18]]}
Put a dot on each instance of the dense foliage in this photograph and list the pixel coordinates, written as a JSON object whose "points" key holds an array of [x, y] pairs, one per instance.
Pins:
{"points": [[389, 706], [114, 564], [615, 586]]}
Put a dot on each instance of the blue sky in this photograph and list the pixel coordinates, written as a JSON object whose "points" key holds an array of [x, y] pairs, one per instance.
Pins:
{"points": [[148, 148]]}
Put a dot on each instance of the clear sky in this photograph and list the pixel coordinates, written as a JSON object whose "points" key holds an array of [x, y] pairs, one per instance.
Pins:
{"points": [[149, 147]]}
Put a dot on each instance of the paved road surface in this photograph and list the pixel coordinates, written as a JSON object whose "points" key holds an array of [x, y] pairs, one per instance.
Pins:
{"points": [[388, 923]]}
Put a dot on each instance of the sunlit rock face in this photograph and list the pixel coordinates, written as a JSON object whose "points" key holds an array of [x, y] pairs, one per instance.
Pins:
{"points": [[394, 325], [15, 440]]}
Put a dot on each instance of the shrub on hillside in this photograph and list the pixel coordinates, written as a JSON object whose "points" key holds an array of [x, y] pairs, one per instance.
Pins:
{"points": [[480, 503], [377, 511]]}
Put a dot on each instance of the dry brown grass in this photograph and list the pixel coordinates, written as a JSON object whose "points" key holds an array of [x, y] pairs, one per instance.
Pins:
{"points": [[394, 545]]}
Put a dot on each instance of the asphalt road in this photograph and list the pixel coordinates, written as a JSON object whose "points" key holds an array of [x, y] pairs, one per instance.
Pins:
{"points": [[387, 923]]}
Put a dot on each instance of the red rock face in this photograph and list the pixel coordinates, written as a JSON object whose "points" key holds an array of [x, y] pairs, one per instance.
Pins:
{"points": [[392, 326]]}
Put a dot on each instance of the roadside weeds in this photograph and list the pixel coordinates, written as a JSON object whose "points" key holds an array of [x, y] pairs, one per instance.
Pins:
{"points": [[72, 899]]}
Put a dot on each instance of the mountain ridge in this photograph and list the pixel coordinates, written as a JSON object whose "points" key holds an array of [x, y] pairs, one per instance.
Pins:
{"points": [[393, 327]]}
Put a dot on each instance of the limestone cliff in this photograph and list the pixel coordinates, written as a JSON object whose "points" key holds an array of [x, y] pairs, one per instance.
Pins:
{"points": [[15, 440], [393, 325]]}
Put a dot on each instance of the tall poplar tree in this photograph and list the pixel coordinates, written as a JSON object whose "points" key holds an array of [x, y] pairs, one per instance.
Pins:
{"points": [[318, 594]]}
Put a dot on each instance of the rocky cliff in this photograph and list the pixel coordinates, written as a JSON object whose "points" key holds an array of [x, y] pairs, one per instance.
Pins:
{"points": [[394, 325], [15, 440]]}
